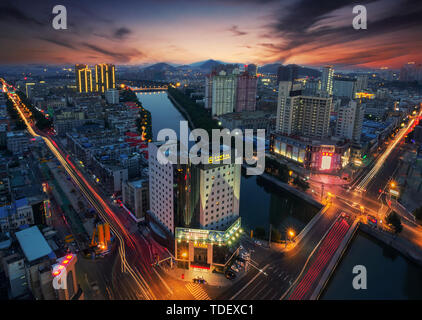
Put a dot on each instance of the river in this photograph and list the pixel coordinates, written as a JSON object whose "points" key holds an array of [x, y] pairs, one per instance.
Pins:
{"points": [[390, 275], [261, 202]]}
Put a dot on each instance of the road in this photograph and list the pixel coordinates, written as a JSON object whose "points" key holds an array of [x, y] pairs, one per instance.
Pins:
{"points": [[283, 268], [134, 260]]}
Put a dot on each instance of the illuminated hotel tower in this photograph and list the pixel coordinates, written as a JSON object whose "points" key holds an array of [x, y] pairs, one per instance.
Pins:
{"points": [[83, 78], [104, 77], [327, 79]]}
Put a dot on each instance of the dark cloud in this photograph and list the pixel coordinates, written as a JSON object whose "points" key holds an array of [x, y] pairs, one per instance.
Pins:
{"points": [[295, 27], [10, 12], [117, 56], [235, 30], [122, 33], [59, 42]]}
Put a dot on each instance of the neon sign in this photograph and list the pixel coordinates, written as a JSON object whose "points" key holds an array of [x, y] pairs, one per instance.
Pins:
{"points": [[218, 158]]}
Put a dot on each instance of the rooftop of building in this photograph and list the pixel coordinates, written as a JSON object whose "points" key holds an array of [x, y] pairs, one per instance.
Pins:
{"points": [[247, 115], [34, 244]]}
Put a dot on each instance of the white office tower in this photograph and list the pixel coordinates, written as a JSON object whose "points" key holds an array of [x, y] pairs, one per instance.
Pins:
{"points": [[112, 96], [303, 115], [223, 93], [208, 91], [349, 120], [202, 196], [344, 87], [362, 83], [327, 79]]}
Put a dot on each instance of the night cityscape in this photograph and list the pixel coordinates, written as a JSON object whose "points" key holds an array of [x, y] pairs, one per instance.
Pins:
{"points": [[221, 151]]}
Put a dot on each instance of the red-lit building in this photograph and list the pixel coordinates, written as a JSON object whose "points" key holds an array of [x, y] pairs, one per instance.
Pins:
{"points": [[315, 155]]}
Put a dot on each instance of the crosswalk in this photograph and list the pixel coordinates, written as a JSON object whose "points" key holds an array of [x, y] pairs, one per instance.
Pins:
{"points": [[197, 291]]}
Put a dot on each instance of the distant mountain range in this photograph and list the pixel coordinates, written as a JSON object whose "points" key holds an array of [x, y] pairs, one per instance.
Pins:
{"points": [[207, 65]]}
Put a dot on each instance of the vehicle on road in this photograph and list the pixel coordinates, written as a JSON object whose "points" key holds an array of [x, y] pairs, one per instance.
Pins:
{"points": [[372, 220], [233, 267], [230, 275]]}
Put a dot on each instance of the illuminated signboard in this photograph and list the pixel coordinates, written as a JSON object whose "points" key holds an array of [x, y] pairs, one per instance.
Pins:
{"points": [[208, 236], [326, 160], [218, 158]]}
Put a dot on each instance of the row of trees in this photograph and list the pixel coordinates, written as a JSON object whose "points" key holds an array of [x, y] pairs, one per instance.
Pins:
{"points": [[41, 122], [394, 220], [201, 118], [13, 113]]}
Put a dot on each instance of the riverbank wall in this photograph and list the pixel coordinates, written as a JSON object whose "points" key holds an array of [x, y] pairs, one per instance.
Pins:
{"points": [[405, 247]]}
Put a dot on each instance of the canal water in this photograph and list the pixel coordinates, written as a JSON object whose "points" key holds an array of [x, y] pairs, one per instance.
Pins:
{"points": [[390, 275], [163, 113], [261, 202]]}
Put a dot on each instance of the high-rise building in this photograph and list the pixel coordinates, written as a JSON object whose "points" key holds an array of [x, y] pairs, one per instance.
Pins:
{"points": [[299, 114], [344, 87], [349, 120], [246, 92], [208, 91], [104, 77], [135, 196], [202, 196], [287, 73], [361, 82], [252, 69], [196, 204], [223, 93], [312, 87], [327, 79], [83, 78], [112, 96], [411, 72]]}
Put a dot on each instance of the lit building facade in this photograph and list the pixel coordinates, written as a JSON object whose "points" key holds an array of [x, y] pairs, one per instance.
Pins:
{"points": [[316, 156], [327, 79], [105, 77], [83, 76], [203, 199]]}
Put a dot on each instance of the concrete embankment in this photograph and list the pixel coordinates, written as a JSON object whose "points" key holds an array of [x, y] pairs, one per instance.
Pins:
{"points": [[335, 260], [408, 249], [405, 247]]}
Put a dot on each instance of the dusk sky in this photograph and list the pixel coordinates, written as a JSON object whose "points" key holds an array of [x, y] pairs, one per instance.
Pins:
{"points": [[306, 32]]}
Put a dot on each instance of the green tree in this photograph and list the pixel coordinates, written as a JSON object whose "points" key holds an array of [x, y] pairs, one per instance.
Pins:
{"points": [[394, 220]]}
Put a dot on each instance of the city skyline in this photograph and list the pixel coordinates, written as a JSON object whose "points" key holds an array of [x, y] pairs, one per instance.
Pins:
{"points": [[182, 33]]}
